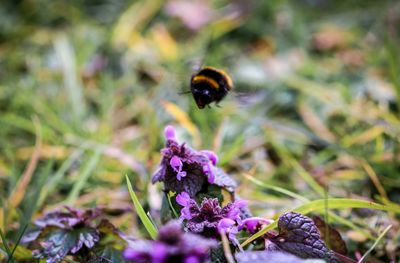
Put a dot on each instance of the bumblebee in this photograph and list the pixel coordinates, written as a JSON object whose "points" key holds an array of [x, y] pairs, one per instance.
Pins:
{"points": [[209, 85]]}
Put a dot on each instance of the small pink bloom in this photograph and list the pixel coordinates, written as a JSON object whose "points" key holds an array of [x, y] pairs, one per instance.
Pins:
{"points": [[169, 132], [253, 224], [225, 224], [183, 199], [192, 259], [177, 165], [185, 213], [210, 174], [211, 156]]}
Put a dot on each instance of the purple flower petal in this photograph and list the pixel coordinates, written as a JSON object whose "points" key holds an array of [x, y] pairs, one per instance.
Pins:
{"points": [[210, 174], [225, 224], [180, 175], [241, 203], [183, 199], [191, 259], [234, 212], [160, 253], [169, 132], [211, 156], [176, 163], [132, 254], [185, 213], [253, 223]]}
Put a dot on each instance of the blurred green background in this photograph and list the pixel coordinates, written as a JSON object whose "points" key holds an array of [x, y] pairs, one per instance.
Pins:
{"points": [[86, 88]]}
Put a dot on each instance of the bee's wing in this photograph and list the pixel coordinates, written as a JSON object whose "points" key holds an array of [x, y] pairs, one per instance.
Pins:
{"points": [[250, 98]]}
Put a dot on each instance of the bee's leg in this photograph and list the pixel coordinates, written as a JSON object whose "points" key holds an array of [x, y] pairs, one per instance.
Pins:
{"points": [[217, 105]]}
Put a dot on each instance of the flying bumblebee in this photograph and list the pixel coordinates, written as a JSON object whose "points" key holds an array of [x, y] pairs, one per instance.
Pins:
{"points": [[209, 85]]}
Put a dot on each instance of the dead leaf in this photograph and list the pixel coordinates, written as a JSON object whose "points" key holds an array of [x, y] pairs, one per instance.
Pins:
{"points": [[331, 236]]}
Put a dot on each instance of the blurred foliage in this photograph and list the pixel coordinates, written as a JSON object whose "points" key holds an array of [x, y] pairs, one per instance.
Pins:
{"points": [[86, 88]]}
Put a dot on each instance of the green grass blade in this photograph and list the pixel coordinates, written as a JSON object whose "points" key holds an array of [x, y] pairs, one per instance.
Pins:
{"points": [[72, 84], [169, 195], [276, 189], [336, 203], [80, 183], [58, 176], [335, 217], [350, 224], [375, 244], [7, 249], [333, 203], [307, 177], [17, 243], [151, 229]]}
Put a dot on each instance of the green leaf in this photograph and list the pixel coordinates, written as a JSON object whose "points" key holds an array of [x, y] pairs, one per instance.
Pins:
{"points": [[151, 229], [332, 203]]}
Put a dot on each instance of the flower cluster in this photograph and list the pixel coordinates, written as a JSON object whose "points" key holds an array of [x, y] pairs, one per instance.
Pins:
{"points": [[185, 170], [209, 218], [172, 245]]}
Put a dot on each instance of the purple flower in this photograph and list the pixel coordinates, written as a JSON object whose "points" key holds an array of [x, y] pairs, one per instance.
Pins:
{"points": [[177, 165], [209, 218], [228, 227], [254, 224], [185, 170], [225, 224], [172, 245], [169, 132], [184, 200], [211, 156]]}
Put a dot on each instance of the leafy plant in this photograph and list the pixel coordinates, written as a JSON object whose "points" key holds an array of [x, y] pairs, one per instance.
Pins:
{"points": [[82, 234]]}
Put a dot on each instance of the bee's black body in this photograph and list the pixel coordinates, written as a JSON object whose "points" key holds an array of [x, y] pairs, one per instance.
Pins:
{"points": [[209, 85]]}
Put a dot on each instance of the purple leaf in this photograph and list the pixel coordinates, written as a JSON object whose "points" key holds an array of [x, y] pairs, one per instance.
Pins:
{"points": [[67, 219], [224, 180], [87, 237], [298, 235], [57, 244], [67, 232]]}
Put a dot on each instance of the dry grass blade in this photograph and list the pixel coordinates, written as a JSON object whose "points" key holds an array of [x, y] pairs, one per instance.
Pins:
{"points": [[1, 219], [375, 180], [227, 249], [375, 244], [19, 191]]}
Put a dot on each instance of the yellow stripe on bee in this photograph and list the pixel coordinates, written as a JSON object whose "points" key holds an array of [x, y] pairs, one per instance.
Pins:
{"points": [[223, 73], [210, 81]]}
